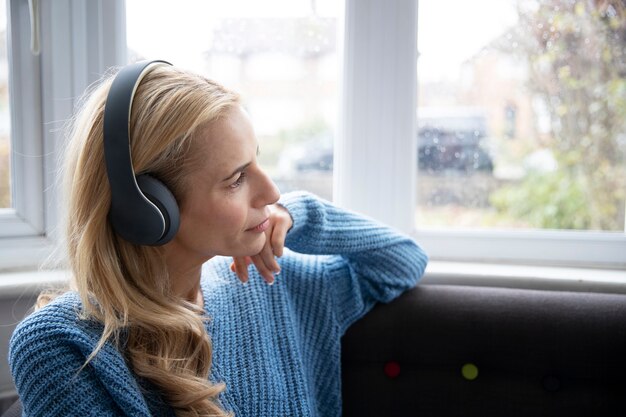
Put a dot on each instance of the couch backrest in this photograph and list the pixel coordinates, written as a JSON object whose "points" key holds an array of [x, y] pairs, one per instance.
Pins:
{"points": [[536, 353]]}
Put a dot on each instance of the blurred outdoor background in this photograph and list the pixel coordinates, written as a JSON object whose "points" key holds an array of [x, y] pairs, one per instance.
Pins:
{"points": [[521, 103]]}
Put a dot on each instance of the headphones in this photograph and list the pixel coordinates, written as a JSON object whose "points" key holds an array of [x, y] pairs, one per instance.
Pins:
{"points": [[143, 210]]}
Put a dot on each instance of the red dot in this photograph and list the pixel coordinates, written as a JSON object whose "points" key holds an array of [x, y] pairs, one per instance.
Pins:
{"points": [[392, 369]]}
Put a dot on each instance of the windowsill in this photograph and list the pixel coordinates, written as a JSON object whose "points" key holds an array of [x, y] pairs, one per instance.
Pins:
{"points": [[526, 276], [28, 283]]}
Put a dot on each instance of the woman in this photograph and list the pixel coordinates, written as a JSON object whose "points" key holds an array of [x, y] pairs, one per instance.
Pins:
{"points": [[185, 326]]}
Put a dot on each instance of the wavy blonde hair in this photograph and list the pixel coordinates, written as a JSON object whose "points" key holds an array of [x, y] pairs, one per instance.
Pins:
{"points": [[124, 286]]}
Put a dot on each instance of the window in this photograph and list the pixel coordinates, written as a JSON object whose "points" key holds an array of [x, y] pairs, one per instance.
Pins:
{"points": [[374, 162], [450, 195], [5, 116], [521, 119], [21, 211], [282, 57], [43, 89]]}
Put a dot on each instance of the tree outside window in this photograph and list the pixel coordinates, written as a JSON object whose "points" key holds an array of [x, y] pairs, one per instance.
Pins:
{"points": [[551, 89]]}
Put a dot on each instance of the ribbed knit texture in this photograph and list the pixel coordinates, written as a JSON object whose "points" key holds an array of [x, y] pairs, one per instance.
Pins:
{"points": [[276, 347]]}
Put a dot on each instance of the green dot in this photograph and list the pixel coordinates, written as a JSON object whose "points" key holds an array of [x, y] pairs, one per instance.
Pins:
{"points": [[469, 371]]}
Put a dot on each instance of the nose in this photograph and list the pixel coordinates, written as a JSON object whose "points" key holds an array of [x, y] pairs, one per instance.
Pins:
{"points": [[267, 192]]}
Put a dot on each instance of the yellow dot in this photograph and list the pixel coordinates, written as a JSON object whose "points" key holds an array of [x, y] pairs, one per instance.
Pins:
{"points": [[469, 371]]}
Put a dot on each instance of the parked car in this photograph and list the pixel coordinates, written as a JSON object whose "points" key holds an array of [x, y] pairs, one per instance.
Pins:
{"points": [[452, 139], [313, 155], [447, 140]]}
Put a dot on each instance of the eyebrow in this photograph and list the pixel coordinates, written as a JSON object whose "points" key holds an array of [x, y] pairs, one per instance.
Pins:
{"points": [[241, 168], [237, 170]]}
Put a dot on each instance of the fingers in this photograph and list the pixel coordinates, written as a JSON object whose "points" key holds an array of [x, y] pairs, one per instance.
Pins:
{"points": [[240, 267], [282, 223], [265, 261], [277, 239]]}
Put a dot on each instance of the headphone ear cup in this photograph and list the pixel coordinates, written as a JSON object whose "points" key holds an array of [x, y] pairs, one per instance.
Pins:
{"points": [[158, 193]]}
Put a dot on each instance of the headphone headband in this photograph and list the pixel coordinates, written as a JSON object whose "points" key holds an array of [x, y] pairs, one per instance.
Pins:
{"points": [[141, 207]]}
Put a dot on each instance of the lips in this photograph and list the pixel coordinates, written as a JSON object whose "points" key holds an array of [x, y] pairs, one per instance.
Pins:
{"points": [[261, 227]]}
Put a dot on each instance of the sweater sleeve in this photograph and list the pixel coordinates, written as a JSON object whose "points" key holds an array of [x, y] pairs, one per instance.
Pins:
{"points": [[367, 261]]}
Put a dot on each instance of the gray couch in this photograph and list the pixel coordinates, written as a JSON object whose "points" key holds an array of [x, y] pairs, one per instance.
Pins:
{"points": [[537, 353]]}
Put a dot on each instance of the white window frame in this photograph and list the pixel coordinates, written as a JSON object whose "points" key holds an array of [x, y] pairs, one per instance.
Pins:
{"points": [[22, 227], [78, 42], [375, 153], [375, 169]]}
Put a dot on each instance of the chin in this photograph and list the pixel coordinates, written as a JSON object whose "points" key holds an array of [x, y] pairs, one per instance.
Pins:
{"points": [[257, 247], [251, 248]]}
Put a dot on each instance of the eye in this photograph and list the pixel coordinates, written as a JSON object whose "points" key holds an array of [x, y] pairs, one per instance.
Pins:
{"points": [[240, 179]]}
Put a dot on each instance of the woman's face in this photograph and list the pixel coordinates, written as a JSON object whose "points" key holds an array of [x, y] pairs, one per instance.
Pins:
{"points": [[224, 211]]}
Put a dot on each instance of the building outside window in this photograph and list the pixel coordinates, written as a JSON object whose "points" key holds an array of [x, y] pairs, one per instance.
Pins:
{"points": [[522, 115], [282, 57]]}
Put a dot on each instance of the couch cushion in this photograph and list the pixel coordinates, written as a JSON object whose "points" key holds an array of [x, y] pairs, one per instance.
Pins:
{"points": [[536, 352]]}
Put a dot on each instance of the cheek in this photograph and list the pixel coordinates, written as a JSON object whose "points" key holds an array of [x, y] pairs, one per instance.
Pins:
{"points": [[231, 215], [229, 233], [213, 217]]}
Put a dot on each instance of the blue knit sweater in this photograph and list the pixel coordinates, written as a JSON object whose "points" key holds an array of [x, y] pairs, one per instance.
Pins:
{"points": [[276, 347]]}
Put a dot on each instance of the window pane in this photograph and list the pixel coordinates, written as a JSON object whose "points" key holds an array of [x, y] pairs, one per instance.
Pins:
{"points": [[5, 116], [522, 114], [280, 55]]}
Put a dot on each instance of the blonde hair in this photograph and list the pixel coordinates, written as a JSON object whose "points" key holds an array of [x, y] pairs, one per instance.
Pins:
{"points": [[126, 286]]}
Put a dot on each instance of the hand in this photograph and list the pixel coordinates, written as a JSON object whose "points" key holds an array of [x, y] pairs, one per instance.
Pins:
{"points": [[265, 261]]}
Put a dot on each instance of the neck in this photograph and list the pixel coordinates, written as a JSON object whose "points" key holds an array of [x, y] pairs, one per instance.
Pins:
{"points": [[185, 283], [184, 268]]}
